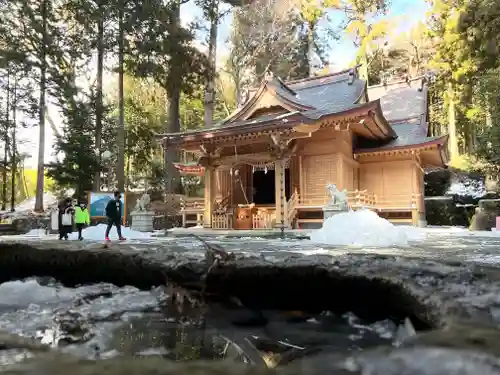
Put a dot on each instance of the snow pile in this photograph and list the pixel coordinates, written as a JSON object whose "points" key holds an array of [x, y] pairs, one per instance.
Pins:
{"points": [[97, 233], [21, 294], [363, 228], [467, 187]]}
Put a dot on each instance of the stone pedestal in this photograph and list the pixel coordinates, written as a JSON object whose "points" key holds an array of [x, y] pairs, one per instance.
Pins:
{"points": [[329, 211], [142, 221], [54, 221]]}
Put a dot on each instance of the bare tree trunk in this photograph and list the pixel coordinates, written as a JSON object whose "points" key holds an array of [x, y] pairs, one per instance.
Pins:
{"points": [[173, 95], [212, 53], [128, 173], [99, 103], [120, 166], [310, 48], [6, 145], [4, 171], [13, 168], [41, 114], [452, 125], [173, 100]]}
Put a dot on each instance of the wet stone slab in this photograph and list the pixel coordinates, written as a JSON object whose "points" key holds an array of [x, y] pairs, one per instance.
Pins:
{"points": [[453, 303]]}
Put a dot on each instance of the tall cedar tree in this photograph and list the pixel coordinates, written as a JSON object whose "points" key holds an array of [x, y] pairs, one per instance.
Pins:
{"points": [[29, 36], [96, 17], [76, 142], [163, 50]]}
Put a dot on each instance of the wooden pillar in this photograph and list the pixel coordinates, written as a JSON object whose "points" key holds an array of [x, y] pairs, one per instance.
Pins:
{"points": [[223, 183], [218, 184], [280, 197], [416, 196], [210, 191], [302, 181]]}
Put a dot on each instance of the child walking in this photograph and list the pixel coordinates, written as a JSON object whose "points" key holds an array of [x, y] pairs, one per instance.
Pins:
{"points": [[82, 218]]}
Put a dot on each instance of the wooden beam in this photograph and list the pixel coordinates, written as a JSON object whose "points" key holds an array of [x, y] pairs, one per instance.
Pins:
{"points": [[231, 141], [260, 135], [244, 158]]}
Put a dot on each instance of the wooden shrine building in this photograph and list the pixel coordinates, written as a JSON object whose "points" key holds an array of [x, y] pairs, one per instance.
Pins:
{"points": [[270, 161]]}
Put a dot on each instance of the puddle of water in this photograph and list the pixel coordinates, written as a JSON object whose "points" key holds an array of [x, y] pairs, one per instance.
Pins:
{"points": [[102, 321]]}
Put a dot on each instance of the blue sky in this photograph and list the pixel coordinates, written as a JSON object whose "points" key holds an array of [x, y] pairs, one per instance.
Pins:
{"points": [[407, 12]]}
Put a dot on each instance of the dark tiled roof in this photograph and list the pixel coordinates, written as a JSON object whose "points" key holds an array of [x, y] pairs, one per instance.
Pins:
{"points": [[408, 134], [325, 94], [315, 114], [404, 105], [287, 93], [329, 94], [402, 100]]}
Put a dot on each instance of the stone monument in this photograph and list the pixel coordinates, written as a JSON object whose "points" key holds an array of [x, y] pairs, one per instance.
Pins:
{"points": [[337, 202], [142, 216]]}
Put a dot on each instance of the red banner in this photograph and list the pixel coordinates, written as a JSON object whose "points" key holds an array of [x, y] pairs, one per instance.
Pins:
{"points": [[193, 170]]}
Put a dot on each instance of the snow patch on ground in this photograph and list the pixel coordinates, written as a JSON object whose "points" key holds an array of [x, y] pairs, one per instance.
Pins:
{"points": [[467, 233], [364, 228], [36, 233], [28, 205], [96, 233], [485, 259], [181, 229]]}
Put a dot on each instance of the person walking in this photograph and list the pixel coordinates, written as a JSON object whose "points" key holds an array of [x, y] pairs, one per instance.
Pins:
{"points": [[82, 218], [60, 210], [66, 219], [114, 211]]}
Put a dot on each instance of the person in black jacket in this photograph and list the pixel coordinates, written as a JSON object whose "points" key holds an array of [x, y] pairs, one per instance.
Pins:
{"points": [[64, 207], [114, 215]]}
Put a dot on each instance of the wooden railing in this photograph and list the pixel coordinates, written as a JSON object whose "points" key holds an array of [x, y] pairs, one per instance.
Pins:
{"points": [[363, 199], [263, 219], [222, 221], [192, 207], [192, 204], [398, 202], [355, 199]]}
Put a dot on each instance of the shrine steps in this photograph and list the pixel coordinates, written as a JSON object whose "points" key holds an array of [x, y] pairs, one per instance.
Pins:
{"points": [[309, 218]]}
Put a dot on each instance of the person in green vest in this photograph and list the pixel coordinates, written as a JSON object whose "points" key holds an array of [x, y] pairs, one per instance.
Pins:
{"points": [[82, 218]]}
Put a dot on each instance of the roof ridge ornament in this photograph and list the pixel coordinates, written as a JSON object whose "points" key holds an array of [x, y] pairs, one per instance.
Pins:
{"points": [[243, 97], [268, 76], [352, 75], [423, 82]]}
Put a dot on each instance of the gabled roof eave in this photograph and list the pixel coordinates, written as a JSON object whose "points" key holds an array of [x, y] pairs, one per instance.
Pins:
{"points": [[440, 142], [269, 85]]}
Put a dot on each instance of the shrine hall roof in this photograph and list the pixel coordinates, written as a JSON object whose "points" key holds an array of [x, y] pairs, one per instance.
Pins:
{"points": [[331, 93], [401, 108], [404, 104], [318, 96]]}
